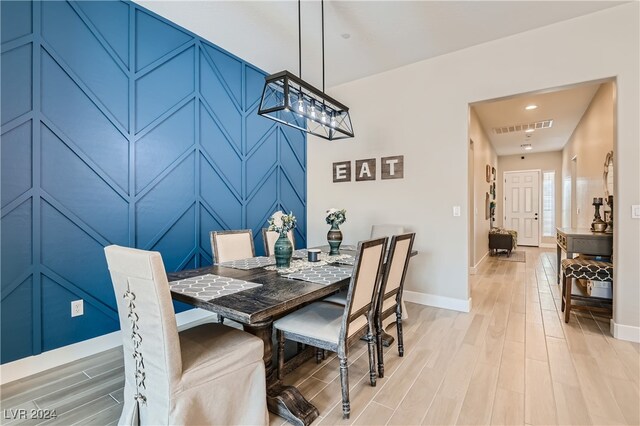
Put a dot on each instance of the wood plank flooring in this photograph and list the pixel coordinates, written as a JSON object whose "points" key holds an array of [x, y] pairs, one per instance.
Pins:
{"points": [[511, 360]]}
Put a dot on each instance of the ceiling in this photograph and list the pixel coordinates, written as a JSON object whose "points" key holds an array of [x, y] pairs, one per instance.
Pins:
{"points": [[382, 35], [565, 107]]}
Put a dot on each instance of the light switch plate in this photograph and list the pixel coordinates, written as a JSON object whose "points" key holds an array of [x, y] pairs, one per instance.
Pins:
{"points": [[456, 210], [635, 211]]}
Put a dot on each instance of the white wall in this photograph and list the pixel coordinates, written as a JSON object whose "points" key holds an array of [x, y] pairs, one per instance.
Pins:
{"points": [[545, 161], [590, 142], [422, 111], [483, 154]]}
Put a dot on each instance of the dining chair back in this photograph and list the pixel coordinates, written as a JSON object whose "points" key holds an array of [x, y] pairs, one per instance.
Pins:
{"points": [[165, 370], [378, 231], [150, 335], [232, 245], [270, 238], [364, 286], [390, 300]]}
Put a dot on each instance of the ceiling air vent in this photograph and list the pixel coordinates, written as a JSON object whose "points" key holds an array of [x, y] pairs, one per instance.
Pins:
{"points": [[544, 124]]}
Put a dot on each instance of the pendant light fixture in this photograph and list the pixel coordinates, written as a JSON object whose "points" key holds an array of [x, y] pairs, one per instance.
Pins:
{"points": [[290, 100]]}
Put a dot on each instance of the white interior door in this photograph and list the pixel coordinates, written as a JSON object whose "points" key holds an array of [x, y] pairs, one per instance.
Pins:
{"points": [[522, 198]]}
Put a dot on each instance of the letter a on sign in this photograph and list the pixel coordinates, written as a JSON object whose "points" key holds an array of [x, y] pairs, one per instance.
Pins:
{"points": [[366, 169]]}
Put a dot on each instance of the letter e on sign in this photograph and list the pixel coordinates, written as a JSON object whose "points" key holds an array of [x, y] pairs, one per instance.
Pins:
{"points": [[392, 167], [366, 169], [342, 171]]}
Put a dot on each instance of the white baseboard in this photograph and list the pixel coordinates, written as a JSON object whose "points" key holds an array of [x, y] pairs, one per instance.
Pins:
{"points": [[625, 332], [35, 364], [547, 245], [474, 269], [443, 302]]}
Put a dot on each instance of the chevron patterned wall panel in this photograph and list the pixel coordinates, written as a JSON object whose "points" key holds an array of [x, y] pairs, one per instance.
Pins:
{"points": [[119, 127]]}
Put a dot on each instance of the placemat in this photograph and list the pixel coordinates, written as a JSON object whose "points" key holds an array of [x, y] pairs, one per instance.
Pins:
{"points": [[250, 263], [210, 286], [325, 275]]}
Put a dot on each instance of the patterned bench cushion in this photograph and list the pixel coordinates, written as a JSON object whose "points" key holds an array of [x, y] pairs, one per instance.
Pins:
{"points": [[588, 269]]}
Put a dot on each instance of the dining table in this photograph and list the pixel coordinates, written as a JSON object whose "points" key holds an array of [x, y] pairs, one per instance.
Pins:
{"points": [[269, 296]]}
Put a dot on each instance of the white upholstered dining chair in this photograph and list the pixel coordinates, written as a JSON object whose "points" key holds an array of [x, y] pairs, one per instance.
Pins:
{"points": [[232, 245], [209, 374], [270, 238], [385, 230], [333, 327]]}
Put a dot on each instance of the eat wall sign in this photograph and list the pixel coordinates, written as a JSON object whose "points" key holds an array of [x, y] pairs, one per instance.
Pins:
{"points": [[390, 168]]}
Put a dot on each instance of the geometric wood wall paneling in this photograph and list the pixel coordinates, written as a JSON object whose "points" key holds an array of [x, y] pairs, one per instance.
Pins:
{"points": [[121, 127]]}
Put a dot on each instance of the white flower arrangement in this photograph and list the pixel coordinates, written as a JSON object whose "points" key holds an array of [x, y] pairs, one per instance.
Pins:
{"points": [[282, 223], [336, 217]]}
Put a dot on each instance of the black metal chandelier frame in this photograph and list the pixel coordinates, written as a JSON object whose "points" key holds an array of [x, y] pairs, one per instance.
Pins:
{"points": [[288, 99]]}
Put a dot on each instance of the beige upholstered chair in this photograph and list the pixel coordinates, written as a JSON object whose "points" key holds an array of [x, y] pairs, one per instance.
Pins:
{"points": [[232, 245], [390, 300], [209, 374], [333, 327], [270, 237], [378, 231]]}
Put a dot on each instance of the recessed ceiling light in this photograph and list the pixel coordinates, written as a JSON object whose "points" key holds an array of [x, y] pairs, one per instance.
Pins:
{"points": [[526, 146], [345, 35], [530, 107], [529, 130]]}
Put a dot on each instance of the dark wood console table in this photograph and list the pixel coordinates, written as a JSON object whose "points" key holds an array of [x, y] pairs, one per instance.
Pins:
{"points": [[583, 241]]}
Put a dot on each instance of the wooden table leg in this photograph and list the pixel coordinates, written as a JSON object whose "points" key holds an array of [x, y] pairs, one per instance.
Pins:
{"points": [[387, 339], [558, 264], [284, 401]]}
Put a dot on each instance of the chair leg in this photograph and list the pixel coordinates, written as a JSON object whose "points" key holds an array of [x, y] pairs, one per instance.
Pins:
{"points": [[318, 355], [399, 326], [379, 347], [344, 383], [567, 296], [280, 337], [372, 361], [220, 319], [300, 347]]}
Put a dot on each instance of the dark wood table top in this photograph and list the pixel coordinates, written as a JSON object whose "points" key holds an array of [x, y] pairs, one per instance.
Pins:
{"points": [[276, 296]]}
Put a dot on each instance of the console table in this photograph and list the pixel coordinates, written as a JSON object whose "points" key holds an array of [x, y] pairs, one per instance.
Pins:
{"points": [[584, 241]]}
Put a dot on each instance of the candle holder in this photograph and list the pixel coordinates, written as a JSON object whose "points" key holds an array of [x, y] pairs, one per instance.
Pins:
{"points": [[609, 217], [598, 225]]}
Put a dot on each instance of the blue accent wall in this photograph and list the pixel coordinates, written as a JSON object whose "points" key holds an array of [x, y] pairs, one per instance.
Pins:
{"points": [[119, 127]]}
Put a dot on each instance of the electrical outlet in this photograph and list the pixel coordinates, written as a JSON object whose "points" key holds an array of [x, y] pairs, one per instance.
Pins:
{"points": [[77, 308], [456, 210], [635, 211]]}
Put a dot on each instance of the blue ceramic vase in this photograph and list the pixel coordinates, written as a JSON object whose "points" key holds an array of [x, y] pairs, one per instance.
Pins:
{"points": [[283, 250], [334, 238]]}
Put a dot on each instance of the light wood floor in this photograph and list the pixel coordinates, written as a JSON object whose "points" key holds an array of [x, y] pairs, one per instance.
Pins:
{"points": [[512, 360]]}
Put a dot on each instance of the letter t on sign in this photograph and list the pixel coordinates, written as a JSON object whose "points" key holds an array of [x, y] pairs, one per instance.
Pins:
{"points": [[342, 171], [392, 167]]}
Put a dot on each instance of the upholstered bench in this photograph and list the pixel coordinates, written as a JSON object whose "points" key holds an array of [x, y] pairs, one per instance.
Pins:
{"points": [[502, 239], [587, 269]]}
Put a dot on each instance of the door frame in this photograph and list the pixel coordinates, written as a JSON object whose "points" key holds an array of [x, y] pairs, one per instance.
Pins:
{"points": [[504, 193]]}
